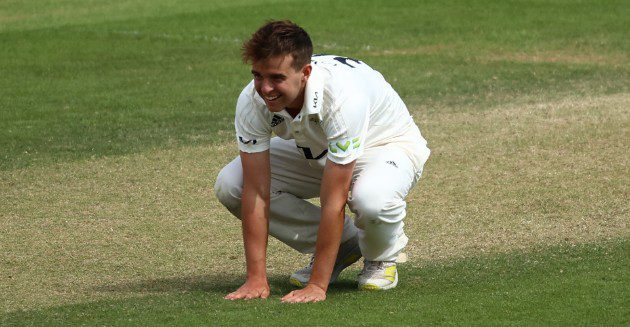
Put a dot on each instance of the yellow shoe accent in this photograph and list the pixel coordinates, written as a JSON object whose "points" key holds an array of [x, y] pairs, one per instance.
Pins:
{"points": [[390, 273], [378, 276], [295, 282], [369, 287]]}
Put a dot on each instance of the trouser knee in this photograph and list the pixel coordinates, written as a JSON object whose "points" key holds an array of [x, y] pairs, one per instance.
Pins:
{"points": [[229, 187], [376, 213]]}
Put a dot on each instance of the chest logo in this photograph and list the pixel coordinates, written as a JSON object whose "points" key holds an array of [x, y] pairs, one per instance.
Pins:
{"points": [[276, 120]]}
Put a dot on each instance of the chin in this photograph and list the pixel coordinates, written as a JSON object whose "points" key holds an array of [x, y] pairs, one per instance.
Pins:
{"points": [[276, 108]]}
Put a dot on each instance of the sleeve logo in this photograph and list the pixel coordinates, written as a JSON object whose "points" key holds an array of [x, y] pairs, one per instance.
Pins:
{"points": [[315, 99], [240, 138], [344, 146]]}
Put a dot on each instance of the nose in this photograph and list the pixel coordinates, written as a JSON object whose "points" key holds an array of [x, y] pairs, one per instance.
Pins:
{"points": [[266, 87]]}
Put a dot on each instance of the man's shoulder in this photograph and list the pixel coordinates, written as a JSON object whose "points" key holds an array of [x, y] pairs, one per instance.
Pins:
{"points": [[249, 98], [345, 72], [347, 78], [247, 91]]}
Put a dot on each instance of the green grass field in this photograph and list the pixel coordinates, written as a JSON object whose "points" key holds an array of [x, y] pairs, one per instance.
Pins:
{"points": [[115, 117]]}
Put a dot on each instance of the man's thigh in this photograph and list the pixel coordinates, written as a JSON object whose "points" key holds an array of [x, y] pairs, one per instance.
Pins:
{"points": [[291, 172], [383, 177]]}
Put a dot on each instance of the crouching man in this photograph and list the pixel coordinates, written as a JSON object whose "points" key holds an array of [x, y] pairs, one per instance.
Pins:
{"points": [[341, 129]]}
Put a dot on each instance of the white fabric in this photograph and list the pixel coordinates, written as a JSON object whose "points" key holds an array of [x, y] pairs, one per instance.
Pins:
{"points": [[350, 113], [348, 107], [382, 179], [292, 220]]}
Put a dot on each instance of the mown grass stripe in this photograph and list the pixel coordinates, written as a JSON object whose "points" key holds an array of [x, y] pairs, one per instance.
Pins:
{"points": [[565, 285]]}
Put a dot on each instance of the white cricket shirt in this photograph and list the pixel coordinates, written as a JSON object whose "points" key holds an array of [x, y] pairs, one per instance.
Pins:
{"points": [[347, 108]]}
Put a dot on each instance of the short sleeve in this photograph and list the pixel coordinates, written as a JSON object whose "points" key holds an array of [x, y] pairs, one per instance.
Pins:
{"points": [[253, 132], [345, 125]]}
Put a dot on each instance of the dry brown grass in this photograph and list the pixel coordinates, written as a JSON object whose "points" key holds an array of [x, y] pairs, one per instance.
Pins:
{"points": [[517, 176], [523, 175]]}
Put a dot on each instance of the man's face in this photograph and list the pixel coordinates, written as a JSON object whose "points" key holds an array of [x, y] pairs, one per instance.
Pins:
{"points": [[279, 84]]}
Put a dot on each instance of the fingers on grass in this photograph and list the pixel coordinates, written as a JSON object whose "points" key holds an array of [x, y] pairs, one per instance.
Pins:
{"points": [[247, 295], [287, 297]]}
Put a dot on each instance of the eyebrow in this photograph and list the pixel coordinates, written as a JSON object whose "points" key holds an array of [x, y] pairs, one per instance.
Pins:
{"points": [[271, 75], [277, 76]]}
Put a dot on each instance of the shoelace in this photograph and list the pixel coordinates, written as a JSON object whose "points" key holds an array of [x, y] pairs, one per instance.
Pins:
{"points": [[374, 265], [372, 268]]}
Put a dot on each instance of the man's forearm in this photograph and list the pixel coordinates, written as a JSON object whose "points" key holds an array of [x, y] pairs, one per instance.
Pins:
{"points": [[255, 211], [327, 246], [334, 194], [255, 233]]}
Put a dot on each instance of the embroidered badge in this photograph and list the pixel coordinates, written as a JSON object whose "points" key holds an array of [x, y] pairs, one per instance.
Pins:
{"points": [[345, 146], [276, 120]]}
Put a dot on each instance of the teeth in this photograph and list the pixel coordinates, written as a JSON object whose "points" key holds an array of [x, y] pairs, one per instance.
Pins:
{"points": [[272, 98]]}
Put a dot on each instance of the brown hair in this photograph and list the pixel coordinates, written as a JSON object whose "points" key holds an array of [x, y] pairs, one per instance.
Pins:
{"points": [[277, 38]]}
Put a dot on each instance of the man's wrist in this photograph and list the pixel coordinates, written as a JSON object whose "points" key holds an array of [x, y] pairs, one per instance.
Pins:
{"points": [[318, 285], [257, 277]]}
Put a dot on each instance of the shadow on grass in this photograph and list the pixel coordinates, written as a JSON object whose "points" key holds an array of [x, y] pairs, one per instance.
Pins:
{"points": [[219, 283], [214, 283]]}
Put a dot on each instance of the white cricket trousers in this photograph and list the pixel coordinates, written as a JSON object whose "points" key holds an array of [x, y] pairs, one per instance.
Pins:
{"points": [[381, 180]]}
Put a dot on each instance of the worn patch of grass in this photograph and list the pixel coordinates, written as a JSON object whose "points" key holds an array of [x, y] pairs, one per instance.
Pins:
{"points": [[513, 177], [524, 173]]}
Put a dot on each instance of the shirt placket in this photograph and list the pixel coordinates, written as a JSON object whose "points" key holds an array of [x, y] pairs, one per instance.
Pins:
{"points": [[298, 130]]}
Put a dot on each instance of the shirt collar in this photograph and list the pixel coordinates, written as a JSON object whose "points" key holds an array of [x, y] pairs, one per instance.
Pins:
{"points": [[313, 93]]}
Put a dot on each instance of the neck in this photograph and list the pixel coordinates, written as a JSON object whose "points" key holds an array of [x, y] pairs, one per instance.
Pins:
{"points": [[293, 112], [294, 108]]}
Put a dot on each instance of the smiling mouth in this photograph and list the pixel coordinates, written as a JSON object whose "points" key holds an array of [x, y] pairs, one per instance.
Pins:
{"points": [[271, 98]]}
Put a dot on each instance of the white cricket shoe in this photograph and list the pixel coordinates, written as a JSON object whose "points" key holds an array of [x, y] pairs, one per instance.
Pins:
{"points": [[349, 253], [378, 275]]}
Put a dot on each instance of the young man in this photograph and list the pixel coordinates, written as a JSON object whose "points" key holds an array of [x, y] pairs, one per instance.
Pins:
{"points": [[340, 128]]}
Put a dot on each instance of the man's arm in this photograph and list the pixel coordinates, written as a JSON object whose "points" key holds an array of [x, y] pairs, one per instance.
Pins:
{"points": [[333, 197], [255, 224]]}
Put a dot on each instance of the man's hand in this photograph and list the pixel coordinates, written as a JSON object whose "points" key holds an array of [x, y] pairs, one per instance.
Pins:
{"points": [[310, 293], [250, 290]]}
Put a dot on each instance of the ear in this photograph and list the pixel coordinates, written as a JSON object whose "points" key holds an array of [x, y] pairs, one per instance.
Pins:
{"points": [[306, 71]]}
